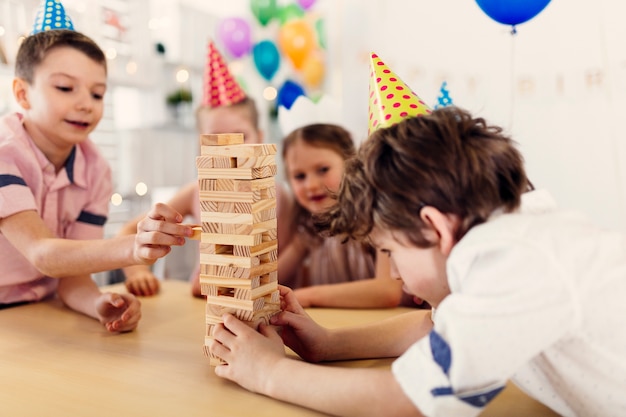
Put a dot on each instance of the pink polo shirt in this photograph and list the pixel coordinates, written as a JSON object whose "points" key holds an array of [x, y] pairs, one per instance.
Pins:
{"points": [[73, 203]]}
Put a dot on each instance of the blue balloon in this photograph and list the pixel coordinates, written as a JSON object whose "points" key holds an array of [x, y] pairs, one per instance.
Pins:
{"points": [[512, 12], [266, 59], [288, 93]]}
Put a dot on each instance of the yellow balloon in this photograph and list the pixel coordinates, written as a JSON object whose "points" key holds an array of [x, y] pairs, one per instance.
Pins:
{"points": [[296, 39], [313, 70]]}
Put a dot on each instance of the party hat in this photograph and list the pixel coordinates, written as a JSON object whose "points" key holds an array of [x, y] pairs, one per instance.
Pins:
{"points": [[305, 112], [391, 100], [51, 15], [443, 99], [220, 88]]}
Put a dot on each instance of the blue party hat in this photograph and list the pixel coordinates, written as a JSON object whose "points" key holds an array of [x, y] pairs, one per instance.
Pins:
{"points": [[50, 16], [443, 100]]}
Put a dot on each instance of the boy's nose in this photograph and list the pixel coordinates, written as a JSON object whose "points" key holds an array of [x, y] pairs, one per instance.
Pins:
{"points": [[84, 101]]}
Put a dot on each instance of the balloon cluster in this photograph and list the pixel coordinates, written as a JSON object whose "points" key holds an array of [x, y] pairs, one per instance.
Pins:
{"points": [[298, 40]]}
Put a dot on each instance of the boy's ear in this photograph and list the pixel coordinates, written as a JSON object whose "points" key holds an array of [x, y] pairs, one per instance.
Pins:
{"points": [[444, 225], [20, 92]]}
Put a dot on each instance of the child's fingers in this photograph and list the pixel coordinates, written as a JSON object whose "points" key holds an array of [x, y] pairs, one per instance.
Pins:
{"points": [[157, 231], [162, 211]]}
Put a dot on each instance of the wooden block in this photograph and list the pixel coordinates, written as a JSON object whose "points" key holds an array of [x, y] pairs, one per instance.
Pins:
{"points": [[197, 233], [269, 256], [217, 304], [230, 260], [228, 184], [263, 314], [255, 250], [216, 292], [257, 184], [215, 162], [231, 207], [255, 161], [249, 284], [223, 239], [238, 272], [270, 235], [237, 173], [239, 229], [230, 196], [221, 139], [236, 151], [235, 218]]}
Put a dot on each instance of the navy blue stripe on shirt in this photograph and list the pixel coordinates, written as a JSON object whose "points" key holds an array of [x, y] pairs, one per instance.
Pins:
{"points": [[483, 398], [91, 218], [69, 165], [6, 179]]}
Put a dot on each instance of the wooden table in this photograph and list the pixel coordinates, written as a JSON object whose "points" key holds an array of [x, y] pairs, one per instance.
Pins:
{"points": [[55, 362]]}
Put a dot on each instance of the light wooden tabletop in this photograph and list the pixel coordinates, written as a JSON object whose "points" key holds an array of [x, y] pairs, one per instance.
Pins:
{"points": [[55, 362]]}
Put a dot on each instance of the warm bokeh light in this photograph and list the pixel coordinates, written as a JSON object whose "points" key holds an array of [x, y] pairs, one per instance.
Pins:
{"points": [[269, 93], [141, 188], [182, 75], [116, 199], [131, 67], [111, 53], [2, 30]]}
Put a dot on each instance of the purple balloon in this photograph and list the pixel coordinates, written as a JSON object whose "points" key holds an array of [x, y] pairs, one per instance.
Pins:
{"points": [[234, 32], [305, 4]]}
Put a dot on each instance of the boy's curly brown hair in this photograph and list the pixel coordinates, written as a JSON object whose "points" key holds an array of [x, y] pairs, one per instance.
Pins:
{"points": [[448, 160]]}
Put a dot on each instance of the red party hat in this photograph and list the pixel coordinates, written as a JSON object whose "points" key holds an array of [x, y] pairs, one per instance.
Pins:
{"points": [[390, 100], [220, 88]]}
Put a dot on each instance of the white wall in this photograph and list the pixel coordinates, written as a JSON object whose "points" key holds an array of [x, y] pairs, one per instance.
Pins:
{"points": [[557, 86]]}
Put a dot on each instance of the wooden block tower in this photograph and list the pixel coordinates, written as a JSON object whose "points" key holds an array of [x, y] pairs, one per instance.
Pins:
{"points": [[238, 241]]}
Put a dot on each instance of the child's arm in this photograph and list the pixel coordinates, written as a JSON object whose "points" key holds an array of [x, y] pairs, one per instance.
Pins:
{"points": [[315, 343], [139, 278], [56, 257], [257, 362], [367, 293], [117, 312], [383, 291]]}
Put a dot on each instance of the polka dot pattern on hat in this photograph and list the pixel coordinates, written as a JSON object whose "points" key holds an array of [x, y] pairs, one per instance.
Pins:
{"points": [[220, 88], [390, 99], [50, 16]]}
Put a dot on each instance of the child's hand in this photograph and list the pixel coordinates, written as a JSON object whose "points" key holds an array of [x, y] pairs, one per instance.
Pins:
{"points": [[157, 232], [118, 312], [248, 354], [303, 335], [141, 281]]}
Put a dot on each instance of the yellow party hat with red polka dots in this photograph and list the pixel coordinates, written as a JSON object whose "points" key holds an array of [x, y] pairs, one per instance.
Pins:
{"points": [[220, 88], [390, 99]]}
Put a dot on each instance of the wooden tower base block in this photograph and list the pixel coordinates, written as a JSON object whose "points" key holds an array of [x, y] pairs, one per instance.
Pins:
{"points": [[238, 240]]}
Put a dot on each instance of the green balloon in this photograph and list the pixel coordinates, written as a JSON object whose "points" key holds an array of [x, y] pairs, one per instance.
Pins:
{"points": [[290, 12], [320, 29], [263, 10]]}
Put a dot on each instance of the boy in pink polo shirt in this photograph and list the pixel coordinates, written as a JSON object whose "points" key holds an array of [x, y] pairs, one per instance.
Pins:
{"points": [[55, 186]]}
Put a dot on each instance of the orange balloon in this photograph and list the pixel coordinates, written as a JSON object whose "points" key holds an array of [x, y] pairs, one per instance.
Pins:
{"points": [[313, 70], [296, 39]]}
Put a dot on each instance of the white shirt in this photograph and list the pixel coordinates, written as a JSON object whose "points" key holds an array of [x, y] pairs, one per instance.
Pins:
{"points": [[537, 297]]}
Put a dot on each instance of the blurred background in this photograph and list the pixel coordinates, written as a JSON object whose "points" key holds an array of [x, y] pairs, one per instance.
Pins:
{"points": [[557, 84]]}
